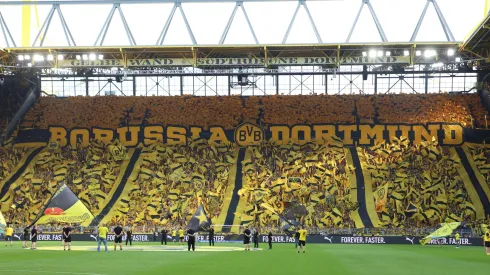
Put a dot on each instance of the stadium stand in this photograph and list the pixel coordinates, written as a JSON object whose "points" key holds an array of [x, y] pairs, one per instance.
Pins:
{"points": [[407, 185], [416, 185], [90, 172], [170, 181], [480, 155], [10, 157], [110, 112], [318, 177]]}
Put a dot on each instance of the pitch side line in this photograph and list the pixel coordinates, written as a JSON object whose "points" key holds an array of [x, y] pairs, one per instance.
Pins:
{"points": [[52, 272]]}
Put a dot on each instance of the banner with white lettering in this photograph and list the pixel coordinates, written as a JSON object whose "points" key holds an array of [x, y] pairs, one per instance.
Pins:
{"points": [[276, 238]]}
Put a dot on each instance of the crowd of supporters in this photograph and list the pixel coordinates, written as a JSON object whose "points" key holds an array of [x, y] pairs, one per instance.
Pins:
{"points": [[311, 179], [171, 181], [412, 185], [90, 173], [416, 185], [111, 112], [230, 111], [481, 156], [10, 157]]}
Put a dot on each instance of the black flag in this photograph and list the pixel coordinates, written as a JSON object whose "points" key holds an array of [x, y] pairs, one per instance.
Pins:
{"points": [[199, 221]]}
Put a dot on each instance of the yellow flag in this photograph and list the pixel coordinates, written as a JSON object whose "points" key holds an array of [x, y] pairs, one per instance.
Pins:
{"points": [[445, 230]]}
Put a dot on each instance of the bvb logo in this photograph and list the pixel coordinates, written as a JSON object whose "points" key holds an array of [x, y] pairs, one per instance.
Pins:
{"points": [[248, 134]]}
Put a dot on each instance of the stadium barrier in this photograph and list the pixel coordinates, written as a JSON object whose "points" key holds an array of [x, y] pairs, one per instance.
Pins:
{"points": [[276, 238]]}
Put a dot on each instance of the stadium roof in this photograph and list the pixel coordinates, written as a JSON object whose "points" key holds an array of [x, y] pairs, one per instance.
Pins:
{"points": [[358, 54], [478, 43]]}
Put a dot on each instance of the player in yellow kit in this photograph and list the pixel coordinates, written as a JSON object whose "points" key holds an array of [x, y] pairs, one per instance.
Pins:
{"points": [[486, 241], [174, 234], [181, 236], [102, 237], [302, 239], [9, 232], [457, 238]]}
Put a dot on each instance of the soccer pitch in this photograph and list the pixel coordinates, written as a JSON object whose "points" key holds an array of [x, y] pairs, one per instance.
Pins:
{"points": [[282, 259]]}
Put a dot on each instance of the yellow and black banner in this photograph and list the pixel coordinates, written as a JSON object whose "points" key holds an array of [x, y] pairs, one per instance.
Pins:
{"points": [[2, 220], [64, 207], [249, 134], [445, 230]]}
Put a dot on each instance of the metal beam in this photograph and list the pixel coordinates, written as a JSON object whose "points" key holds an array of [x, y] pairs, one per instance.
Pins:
{"points": [[291, 24], [107, 24], [375, 19], [163, 34], [440, 15], [108, 2], [6, 32], [312, 22], [355, 23], [44, 28], [230, 21], [66, 30], [105, 27], [228, 25], [445, 26], [126, 27], [419, 23], [189, 30], [250, 25]]}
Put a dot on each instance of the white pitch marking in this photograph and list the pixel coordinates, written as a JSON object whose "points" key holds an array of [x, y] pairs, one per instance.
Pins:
{"points": [[52, 272]]}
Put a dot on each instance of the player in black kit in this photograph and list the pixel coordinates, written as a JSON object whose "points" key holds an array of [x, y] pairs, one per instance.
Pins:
{"points": [[118, 231], [63, 236], [256, 238], [164, 236], [25, 237], [191, 240], [270, 240], [246, 239], [33, 237], [211, 236], [67, 237], [129, 236]]}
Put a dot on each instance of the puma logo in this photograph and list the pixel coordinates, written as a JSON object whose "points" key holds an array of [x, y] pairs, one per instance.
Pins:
{"points": [[94, 237], [328, 239], [410, 240], [18, 237]]}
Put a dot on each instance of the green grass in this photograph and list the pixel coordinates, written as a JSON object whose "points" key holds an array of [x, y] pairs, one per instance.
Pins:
{"points": [[319, 259]]}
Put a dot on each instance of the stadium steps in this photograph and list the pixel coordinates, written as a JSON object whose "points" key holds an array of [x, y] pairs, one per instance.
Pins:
{"points": [[478, 190], [127, 171], [19, 170], [367, 208], [237, 204], [230, 190], [360, 215]]}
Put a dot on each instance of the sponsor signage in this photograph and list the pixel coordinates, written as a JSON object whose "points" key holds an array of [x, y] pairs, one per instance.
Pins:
{"points": [[276, 238]]}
